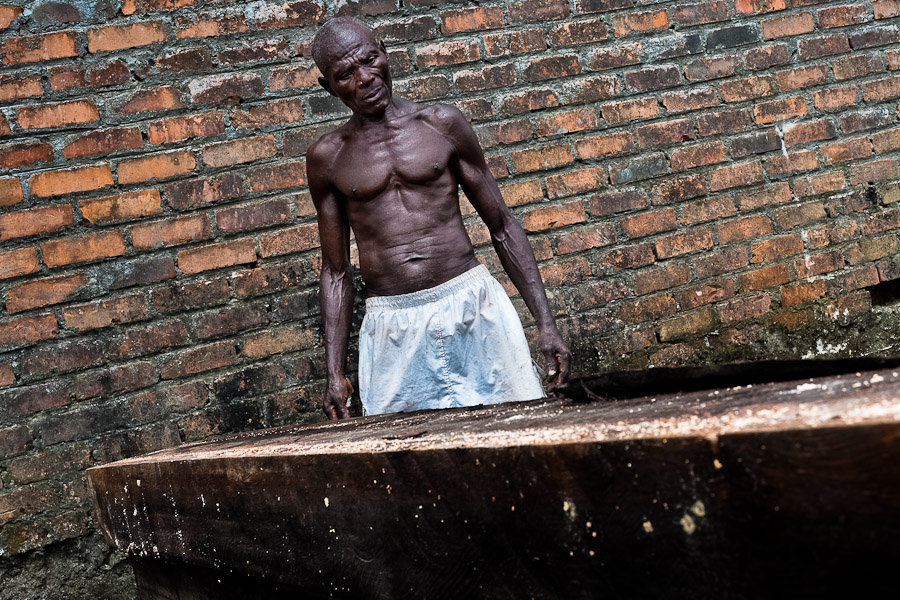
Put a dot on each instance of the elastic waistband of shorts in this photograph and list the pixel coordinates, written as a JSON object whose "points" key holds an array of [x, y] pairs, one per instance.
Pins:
{"points": [[433, 294]]}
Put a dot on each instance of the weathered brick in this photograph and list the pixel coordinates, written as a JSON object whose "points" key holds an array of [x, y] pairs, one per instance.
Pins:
{"points": [[503, 132], [725, 121], [673, 275], [764, 57], [763, 278], [704, 69], [416, 89], [578, 32], [82, 179], [683, 243], [540, 158], [195, 59], [295, 13], [198, 360], [629, 110], [276, 177], [552, 217], [841, 16], [15, 440], [835, 98], [411, 29], [787, 26], [15, 263], [514, 42], [8, 15], [885, 9], [92, 247], [152, 100], [296, 142], [279, 340], [811, 48], [815, 185], [754, 7], [700, 13], [779, 110], [698, 155], [271, 278], [629, 257], [446, 53], [27, 330], [217, 256], [802, 77], [57, 114], [743, 228], [757, 142], [747, 88], [475, 18], [706, 293], [881, 89], [120, 37], [206, 25], [590, 89], [809, 131], [578, 240], [35, 221], [44, 292], [156, 166], [531, 11], [121, 207], [197, 192], [737, 175], [818, 264], [94, 315], [645, 166], [162, 401], [690, 100], [875, 171], [732, 37], [254, 216], [857, 65], [226, 88], [155, 337], [872, 249], [846, 150], [649, 223], [775, 248], [742, 309], [25, 154], [254, 51], [607, 203], [712, 264], [140, 271], [793, 216], [239, 151], [620, 55], [286, 241], [64, 357], [16, 88], [178, 129], [802, 292], [701, 211], [39, 48], [604, 145], [530, 100], [50, 463], [679, 188], [648, 309], [575, 182], [792, 162], [874, 36], [104, 142], [106, 382], [278, 112], [639, 22], [687, 324]]}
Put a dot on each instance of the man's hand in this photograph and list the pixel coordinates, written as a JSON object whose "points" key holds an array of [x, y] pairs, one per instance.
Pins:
{"points": [[336, 394], [557, 355]]}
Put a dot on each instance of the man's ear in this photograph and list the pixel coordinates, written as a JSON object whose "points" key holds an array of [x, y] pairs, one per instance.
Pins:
{"points": [[324, 83]]}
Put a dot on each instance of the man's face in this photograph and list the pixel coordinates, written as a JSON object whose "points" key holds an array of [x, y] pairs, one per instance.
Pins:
{"points": [[357, 72]]}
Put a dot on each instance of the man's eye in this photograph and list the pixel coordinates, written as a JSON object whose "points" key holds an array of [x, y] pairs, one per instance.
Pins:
{"points": [[370, 59], [344, 75]]}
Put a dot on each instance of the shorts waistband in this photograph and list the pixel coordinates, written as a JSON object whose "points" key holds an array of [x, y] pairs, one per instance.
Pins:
{"points": [[425, 296]]}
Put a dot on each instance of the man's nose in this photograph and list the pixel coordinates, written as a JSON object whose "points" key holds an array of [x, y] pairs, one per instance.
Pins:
{"points": [[366, 76]]}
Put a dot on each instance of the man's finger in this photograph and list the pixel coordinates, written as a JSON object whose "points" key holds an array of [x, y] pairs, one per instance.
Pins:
{"points": [[563, 360]]}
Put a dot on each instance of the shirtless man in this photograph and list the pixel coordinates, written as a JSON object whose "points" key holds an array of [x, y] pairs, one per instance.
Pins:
{"points": [[439, 331]]}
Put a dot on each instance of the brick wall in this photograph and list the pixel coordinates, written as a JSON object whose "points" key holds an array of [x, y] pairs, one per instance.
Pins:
{"points": [[701, 181]]}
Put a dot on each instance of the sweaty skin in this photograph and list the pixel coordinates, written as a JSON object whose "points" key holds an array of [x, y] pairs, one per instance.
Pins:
{"points": [[391, 173]]}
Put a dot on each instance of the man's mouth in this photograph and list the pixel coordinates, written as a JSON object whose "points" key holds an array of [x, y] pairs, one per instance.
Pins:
{"points": [[373, 94]]}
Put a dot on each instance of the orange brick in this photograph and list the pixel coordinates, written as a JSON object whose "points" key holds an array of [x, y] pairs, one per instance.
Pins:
{"points": [[545, 157], [203, 27], [156, 166], [552, 217], [629, 110], [765, 277], [640, 22], [276, 341], [841, 16], [805, 291], [779, 110], [514, 42], [129, 7], [40, 48], [818, 184], [14, 263], [27, 330], [774, 248], [741, 229], [287, 241], [755, 7], [120, 37], [121, 207], [276, 177], [289, 110], [178, 129], [235, 152], [735, 176], [57, 114], [719, 207], [35, 221], [97, 246], [153, 100], [576, 182], [649, 223], [698, 155], [446, 53], [294, 77], [217, 256], [25, 154], [847, 150], [471, 19], [4, 125], [794, 162], [148, 236], [17, 88], [604, 145], [44, 292], [835, 97], [8, 14], [199, 359], [522, 192], [775, 193], [82, 179], [567, 122], [787, 26], [683, 243], [105, 142], [84, 317], [10, 191]]}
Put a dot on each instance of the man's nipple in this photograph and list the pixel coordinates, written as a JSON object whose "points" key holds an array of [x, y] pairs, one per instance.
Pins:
{"points": [[435, 167], [353, 190]]}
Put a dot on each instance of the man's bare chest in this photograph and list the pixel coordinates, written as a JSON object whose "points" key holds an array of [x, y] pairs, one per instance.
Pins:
{"points": [[368, 166]]}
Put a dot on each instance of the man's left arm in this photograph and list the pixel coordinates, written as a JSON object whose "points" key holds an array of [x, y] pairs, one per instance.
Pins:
{"points": [[509, 240]]}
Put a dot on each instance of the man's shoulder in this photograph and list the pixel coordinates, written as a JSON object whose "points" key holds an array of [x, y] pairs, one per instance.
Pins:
{"points": [[326, 147], [444, 116]]}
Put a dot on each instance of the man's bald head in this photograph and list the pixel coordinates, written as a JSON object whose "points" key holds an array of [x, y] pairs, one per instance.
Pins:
{"points": [[334, 36]]}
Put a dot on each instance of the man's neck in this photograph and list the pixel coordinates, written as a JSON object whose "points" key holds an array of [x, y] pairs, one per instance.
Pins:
{"points": [[390, 113]]}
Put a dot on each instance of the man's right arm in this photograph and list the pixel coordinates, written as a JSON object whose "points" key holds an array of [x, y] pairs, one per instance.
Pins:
{"points": [[335, 283]]}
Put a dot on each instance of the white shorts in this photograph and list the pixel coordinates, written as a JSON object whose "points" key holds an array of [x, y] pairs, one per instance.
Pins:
{"points": [[457, 344]]}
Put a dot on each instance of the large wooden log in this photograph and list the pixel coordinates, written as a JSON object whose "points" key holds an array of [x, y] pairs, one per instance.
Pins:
{"points": [[768, 490]]}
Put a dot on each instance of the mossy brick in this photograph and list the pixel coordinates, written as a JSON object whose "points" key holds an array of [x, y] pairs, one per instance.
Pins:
{"points": [[36, 221], [46, 292], [93, 247], [25, 331], [198, 360], [140, 341], [39, 48], [121, 207]]}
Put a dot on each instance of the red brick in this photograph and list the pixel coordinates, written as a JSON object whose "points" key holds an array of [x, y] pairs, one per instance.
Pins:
{"points": [[616, 201], [779, 110], [809, 131], [735, 176], [741, 229], [645, 166], [35, 221], [40, 48], [416, 28], [199, 359], [868, 118], [190, 194], [27, 330], [578, 32], [803, 214], [835, 97], [171, 232], [471, 19], [755, 7], [105, 142], [15, 88], [156, 166], [620, 55], [741, 309], [217, 256], [819, 264], [126, 309], [698, 155], [793, 162], [221, 88], [648, 309], [790, 25], [706, 294], [278, 112], [522, 192], [293, 14], [504, 132], [276, 177], [514, 42], [881, 89], [552, 217], [762, 278], [712, 264], [683, 243], [690, 100], [244, 150], [687, 15], [841, 16], [528, 101], [152, 100], [44, 292], [590, 89], [805, 291], [629, 110], [195, 59], [540, 158], [416, 89], [446, 53], [8, 14], [774, 248], [811, 48], [872, 249], [857, 278], [253, 216], [580, 240], [4, 125], [50, 463], [704, 69], [847, 150], [679, 188], [629, 257], [25, 154], [203, 26], [129, 7], [773, 193], [707, 210], [15, 263], [569, 121], [57, 114], [280, 340], [254, 51], [639, 22], [531, 11], [287, 241], [802, 77], [647, 282], [725, 121], [758, 59], [120, 37], [575, 182], [649, 223], [687, 324], [604, 145], [192, 295], [121, 207], [747, 88], [875, 171], [818, 184], [177, 129], [858, 65], [551, 67], [92, 247], [271, 278]]}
